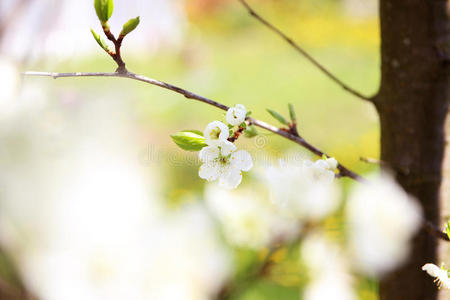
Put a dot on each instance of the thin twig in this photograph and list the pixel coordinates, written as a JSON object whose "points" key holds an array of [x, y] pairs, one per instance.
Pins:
{"points": [[299, 49], [435, 231], [343, 171], [233, 291], [116, 55]]}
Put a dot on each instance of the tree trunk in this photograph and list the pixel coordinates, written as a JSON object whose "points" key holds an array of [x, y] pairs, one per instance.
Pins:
{"points": [[412, 104]]}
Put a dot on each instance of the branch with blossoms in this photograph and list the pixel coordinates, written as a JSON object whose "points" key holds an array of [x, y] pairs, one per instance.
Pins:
{"points": [[193, 140], [222, 161]]}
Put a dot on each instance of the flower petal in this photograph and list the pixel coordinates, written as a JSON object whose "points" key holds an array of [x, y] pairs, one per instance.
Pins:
{"points": [[332, 163], [226, 148], [230, 178], [431, 269], [209, 171], [208, 154], [241, 160]]}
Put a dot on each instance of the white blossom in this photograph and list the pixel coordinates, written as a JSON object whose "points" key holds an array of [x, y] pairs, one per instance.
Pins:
{"points": [[382, 219], [306, 191], [236, 115], [248, 219], [216, 132], [328, 270], [440, 274], [223, 162]]}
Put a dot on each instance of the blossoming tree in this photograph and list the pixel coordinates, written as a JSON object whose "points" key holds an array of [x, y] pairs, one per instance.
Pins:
{"points": [[393, 217]]}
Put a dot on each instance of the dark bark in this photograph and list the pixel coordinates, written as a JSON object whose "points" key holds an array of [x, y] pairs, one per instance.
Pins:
{"points": [[412, 104]]}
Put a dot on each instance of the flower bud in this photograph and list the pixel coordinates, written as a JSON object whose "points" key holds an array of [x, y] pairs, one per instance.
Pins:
{"points": [[104, 9]]}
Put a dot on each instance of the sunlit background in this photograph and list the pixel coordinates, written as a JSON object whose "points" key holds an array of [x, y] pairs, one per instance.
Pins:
{"points": [[213, 48]]}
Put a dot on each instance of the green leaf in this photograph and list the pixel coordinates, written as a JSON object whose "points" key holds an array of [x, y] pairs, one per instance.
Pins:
{"points": [[100, 41], [292, 112], [197, 132], [277, 116], [447, 229], [243, 125], [104, 9], [130, 26], [189, 140], [248, 113], [250, 132]]}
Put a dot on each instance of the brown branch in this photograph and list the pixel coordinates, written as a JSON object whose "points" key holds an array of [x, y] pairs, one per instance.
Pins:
{"points": [[343, 171], [300, 50], [435, 231], [236, 134], [260, 270], [116, 55]]}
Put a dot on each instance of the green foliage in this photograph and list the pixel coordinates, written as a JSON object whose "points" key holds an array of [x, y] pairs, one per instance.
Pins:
{"points": [[189, 140], [104, 9], [100, 41], [251, 132], [277, 116], [130, 26]]}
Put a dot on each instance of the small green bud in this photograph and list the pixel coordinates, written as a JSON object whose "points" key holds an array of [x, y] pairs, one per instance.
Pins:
{"points": [[243, 125], [277, 116], [250, 132], [292, 112], [248, 113], [104, 9], [189, 140], [129, 26], [100, 41]]}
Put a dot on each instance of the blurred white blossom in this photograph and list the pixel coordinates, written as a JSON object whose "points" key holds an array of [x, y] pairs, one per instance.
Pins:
{"points": [[222, 161], [10, 79], [306, 190], [440, 274], [248, 219], [83, 219], [236, 115], [382, 220], [330, 277]]}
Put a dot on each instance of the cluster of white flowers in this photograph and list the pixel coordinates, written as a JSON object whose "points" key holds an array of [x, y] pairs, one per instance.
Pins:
{"points": [[382, 221], [305, 191], [90, 224], [220, 158], [441, 275]]}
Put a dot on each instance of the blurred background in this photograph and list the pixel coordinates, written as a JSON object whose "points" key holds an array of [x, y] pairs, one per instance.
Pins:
{"points": [[213, 48]]}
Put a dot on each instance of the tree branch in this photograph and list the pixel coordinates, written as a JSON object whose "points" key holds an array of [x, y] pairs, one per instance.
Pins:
{"points": [[305, 54], [343, 171], [435, 231], [116, 55]]}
